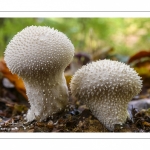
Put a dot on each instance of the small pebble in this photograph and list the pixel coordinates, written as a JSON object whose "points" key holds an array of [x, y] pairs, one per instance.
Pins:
{"points": [[14, 129], [74, 112]]}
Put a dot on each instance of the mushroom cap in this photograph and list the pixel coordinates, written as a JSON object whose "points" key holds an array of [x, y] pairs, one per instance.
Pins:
{"points": [[38, 49], [106, 87], [106, 76]]}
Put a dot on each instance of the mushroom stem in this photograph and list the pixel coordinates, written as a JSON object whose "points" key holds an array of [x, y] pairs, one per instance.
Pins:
{"points": [[46, 97]]}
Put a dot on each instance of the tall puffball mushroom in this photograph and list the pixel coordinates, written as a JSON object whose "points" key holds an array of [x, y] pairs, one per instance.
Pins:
{"points": [[106, 87], [39, 55]]}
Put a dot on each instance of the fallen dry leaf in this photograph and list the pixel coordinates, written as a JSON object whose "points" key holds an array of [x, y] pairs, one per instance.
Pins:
{"points": [[143, 68], [139, 55], [146, 123], [18, 82], [68, 78], [141, 63]]}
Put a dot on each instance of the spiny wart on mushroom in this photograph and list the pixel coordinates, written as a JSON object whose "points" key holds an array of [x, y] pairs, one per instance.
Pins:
{"points": [[39, 55], [106, 87]]}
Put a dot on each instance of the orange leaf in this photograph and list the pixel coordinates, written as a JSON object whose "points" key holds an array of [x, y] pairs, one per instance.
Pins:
{"points": [[68, 79], [146, 123], [18, 82]]}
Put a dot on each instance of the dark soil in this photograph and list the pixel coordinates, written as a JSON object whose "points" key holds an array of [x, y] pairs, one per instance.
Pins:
{"points": [[76, 118]]}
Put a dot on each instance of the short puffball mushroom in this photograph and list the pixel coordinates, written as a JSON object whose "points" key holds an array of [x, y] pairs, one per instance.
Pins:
{"points": [[106, 87], [39, 55]]}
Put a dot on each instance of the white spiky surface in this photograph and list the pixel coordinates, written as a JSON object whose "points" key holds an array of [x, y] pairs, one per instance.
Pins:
{"points": [[106, 87], [39, 55]]}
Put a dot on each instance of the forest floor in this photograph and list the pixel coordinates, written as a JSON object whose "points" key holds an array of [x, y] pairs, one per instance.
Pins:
{"points": [[76, 118]]}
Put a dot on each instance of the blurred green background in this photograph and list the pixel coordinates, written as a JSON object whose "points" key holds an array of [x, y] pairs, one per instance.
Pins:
{"points": [[125, 35]]}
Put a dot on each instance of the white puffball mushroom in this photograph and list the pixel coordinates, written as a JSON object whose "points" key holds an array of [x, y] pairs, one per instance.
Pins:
{"points": [[106, 87], [39, 55]]}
